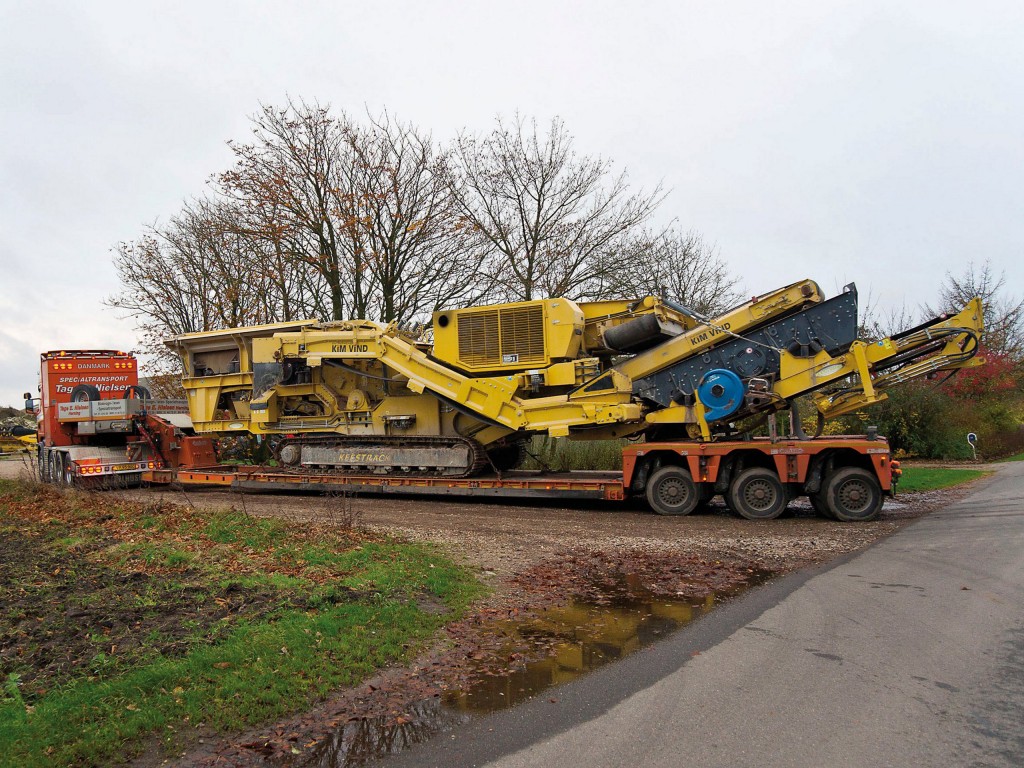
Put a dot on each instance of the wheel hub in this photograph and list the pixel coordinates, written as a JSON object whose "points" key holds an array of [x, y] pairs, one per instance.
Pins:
{"points": [[852, 495], [759, 495], [672, 492]]}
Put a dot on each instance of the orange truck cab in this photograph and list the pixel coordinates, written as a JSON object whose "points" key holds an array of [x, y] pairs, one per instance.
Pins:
{"points": [[84, 414]]}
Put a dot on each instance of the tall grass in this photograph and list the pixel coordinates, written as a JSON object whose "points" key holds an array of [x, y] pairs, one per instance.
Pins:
{"points": [[563, 455]]}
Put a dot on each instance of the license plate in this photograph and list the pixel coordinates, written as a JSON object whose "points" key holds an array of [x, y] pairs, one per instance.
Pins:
{"points": [[123, 467]]}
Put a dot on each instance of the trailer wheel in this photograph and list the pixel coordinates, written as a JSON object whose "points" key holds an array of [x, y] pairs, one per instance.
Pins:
{"points": [[59, 465], [757, 494], [136, 392], [818, 505], [853, 494], [671, 491], [83, 393]]}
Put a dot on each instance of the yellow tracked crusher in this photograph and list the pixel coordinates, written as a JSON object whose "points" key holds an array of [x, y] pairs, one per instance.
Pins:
{"points": [[364, 396]]}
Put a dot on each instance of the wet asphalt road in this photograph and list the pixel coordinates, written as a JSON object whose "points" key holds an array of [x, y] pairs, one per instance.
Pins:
{"points": [[911, 653]]}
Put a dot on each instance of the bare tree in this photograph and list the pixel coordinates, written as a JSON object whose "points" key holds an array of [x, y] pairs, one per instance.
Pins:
{"points": [[154, 291], [166, 292], [366, 208], [233, 292], [404, 224], [552, 220], [288, 181], [195, 274], [877, 324], [323, 216], [289, 288], [673, 265], [1004, 314]]}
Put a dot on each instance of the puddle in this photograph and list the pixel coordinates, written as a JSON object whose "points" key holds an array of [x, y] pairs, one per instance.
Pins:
{"points": [[362, 740], [581, 637], [553, 647]]}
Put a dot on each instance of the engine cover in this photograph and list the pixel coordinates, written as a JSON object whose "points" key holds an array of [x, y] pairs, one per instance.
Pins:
{"points": [[508, 337]]}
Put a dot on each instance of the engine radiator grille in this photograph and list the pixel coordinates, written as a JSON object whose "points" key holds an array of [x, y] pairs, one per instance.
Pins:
{"points": [[500, 337]]}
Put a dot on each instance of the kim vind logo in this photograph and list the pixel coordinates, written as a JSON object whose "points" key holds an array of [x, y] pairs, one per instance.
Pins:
{"points": [[710, 333], [350, 348]]}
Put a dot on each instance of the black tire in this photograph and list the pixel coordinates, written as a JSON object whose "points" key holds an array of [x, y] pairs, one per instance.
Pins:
{"points": [[41, 467], [136, 392], [853, 495], [671, 491], [54, 469], [818, 504], [757, 494], [67, 471], [83, 393]]}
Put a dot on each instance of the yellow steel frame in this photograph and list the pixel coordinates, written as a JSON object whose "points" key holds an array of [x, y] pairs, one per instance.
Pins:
{"points": [[493, 398], [755, 312]]}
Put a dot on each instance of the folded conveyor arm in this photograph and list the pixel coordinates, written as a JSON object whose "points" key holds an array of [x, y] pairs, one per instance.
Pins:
{"points": [[942, 345]]}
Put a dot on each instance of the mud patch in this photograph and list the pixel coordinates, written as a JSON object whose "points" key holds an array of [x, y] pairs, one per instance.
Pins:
{"points": [[66, 613]]}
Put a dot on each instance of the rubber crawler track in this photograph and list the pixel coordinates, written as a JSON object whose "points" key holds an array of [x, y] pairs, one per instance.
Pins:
{"points": [[476, 451]]}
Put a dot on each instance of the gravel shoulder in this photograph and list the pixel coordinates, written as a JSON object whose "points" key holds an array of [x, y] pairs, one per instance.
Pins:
{"points": [[502, 540]]}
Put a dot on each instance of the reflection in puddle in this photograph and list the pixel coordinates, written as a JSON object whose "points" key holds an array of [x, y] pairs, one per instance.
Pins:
{"points": [[362, 740], [581, 637], [571, 639]]}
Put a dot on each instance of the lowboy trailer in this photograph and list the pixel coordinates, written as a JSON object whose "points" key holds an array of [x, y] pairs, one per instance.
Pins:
{"points": [[98, 428], [846, 478]]}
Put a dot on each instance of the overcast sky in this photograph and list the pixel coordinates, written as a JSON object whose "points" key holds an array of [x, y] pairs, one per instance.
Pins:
{"points": [[872, 141]]}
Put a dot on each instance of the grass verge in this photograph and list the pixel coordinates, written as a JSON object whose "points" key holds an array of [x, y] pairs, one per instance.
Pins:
{"points": [[917, 479], [123, 623]]}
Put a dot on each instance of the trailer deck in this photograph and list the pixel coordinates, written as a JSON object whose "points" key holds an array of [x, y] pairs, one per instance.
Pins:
{"points": [[606, 486]]}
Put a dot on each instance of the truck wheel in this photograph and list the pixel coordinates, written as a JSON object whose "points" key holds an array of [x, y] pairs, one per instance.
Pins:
{"points": [[853, 495], [54, 470], [67, 471], [58, 474], [757, 494], [83, 393], [671, 491], [41, 464]]}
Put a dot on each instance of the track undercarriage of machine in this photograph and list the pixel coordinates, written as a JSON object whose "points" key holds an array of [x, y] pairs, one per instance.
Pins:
{"points": [[361, 396]]}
